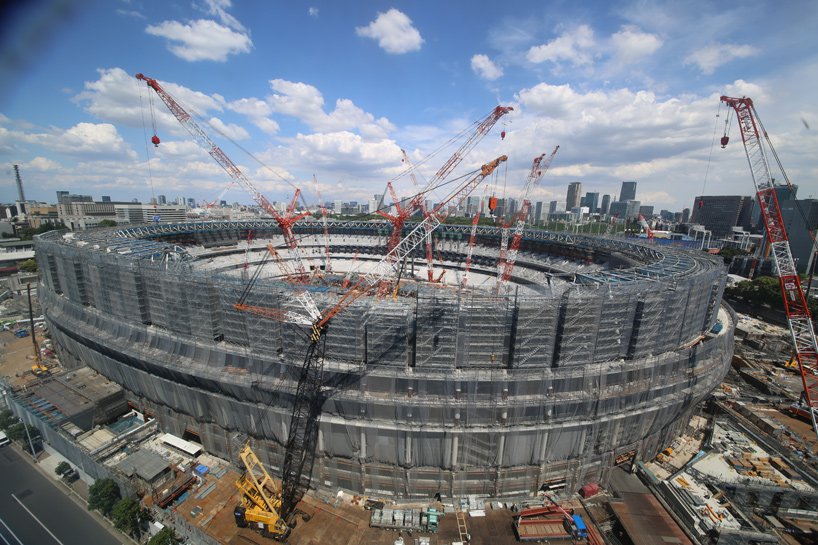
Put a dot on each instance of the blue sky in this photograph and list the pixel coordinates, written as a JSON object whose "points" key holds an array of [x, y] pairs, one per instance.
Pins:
{"points": [[629, 90]]}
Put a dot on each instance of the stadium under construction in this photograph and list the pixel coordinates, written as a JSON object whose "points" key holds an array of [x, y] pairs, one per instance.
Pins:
{"points": [[595, 356]]}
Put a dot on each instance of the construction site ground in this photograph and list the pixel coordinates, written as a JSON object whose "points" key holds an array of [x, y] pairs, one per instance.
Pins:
{"points": [[343, 521], [17, 357]]}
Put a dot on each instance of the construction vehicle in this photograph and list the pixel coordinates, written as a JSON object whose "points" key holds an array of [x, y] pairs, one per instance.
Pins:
{"points": [[407, 520], [795, 303], [260, 499], [38, 369], [308, 398], [302, 436]]}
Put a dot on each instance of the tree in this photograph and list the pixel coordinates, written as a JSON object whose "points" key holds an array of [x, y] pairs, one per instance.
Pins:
{"points": [[29, 265], [165, 536], [17, 432], [106, 223], [727, 254], [103, 495], [7, 419], [127, 516], [62, 468]]}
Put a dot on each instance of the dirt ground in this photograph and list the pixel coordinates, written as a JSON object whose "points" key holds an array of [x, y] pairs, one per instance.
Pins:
{"points": [[17, 357], [340, 523]]}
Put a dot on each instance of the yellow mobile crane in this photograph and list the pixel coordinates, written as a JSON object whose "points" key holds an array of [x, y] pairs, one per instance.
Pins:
{"points": [[260, 499]]}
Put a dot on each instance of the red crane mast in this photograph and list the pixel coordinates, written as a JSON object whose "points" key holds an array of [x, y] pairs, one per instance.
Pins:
{"points": [[538, 170], [795, 304]]}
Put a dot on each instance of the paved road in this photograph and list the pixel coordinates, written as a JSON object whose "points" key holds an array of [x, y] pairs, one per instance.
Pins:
{"points": [[33, 511]]}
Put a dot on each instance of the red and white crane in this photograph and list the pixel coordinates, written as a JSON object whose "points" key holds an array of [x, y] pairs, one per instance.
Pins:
{"points": [[479, 130], [309, 396], [646, 227], [327, 251], [506, 265], [795, 303], [285, 221]]}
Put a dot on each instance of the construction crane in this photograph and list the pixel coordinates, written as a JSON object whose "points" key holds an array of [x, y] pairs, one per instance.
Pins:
{"points": [[472, 236], [646, 227], [420, 204], [507, 261], [795, 303], [260, 499], [299, 449], [285, 221], [481, 128], [325, 225]]}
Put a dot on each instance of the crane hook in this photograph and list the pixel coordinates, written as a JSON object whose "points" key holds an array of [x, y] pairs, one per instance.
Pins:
{"points": [[155, 140], [724, 140]]}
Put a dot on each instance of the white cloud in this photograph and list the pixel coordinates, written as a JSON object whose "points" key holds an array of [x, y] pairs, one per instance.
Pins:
{"points": [[485, 67], [219, 9], [231, 131], [118, 97], [258, 111], [313, 12], [201, 40], [43, 164], [90, 140], [394, 32], [575, 46], [305, 102], [711, 57], [631, 45]]}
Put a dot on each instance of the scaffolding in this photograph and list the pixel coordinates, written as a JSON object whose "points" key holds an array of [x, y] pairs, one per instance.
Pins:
{"points": [[603, 349]]}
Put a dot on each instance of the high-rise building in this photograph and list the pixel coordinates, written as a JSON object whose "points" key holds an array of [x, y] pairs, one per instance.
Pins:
{"points": [[628, 191], [686, 215], [798, 233], [606, 204], [646, 211], [106, 198], [538, 212], [573, 197], [162, 199], [556, 207], [625, 209], [592, 201], [719, 213]]}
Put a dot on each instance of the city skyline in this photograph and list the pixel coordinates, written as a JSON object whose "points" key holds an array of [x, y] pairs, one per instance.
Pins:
{"points": [[624, 88]]}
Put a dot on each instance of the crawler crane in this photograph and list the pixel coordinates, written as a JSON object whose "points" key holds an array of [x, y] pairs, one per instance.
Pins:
{"points": [[309, 397], [795, 304]]}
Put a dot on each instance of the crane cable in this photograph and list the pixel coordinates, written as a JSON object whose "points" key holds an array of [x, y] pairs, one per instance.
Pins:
{"points": [[145, 137], [713, 144]]}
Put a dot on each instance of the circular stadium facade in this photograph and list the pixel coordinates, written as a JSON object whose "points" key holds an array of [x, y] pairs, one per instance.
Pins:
{"points": [[595, 355]]}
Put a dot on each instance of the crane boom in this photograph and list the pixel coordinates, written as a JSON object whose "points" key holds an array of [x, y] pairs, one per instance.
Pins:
{"points": [[299, 451], [538, 170], [644, 223], [285, 222], [795, 304]]}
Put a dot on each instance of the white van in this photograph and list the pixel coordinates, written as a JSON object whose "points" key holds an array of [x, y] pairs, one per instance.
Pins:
{"points": [[4, 440]]}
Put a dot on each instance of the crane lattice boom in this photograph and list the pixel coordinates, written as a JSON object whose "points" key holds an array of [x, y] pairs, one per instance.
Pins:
{"points": [[795, 304], [285, 222], [538, 170]]}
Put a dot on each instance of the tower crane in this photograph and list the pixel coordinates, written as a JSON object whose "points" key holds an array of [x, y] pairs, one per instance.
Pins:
{"points": [[299, 449], [538, 170], [285, 221], [795, 304]]}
